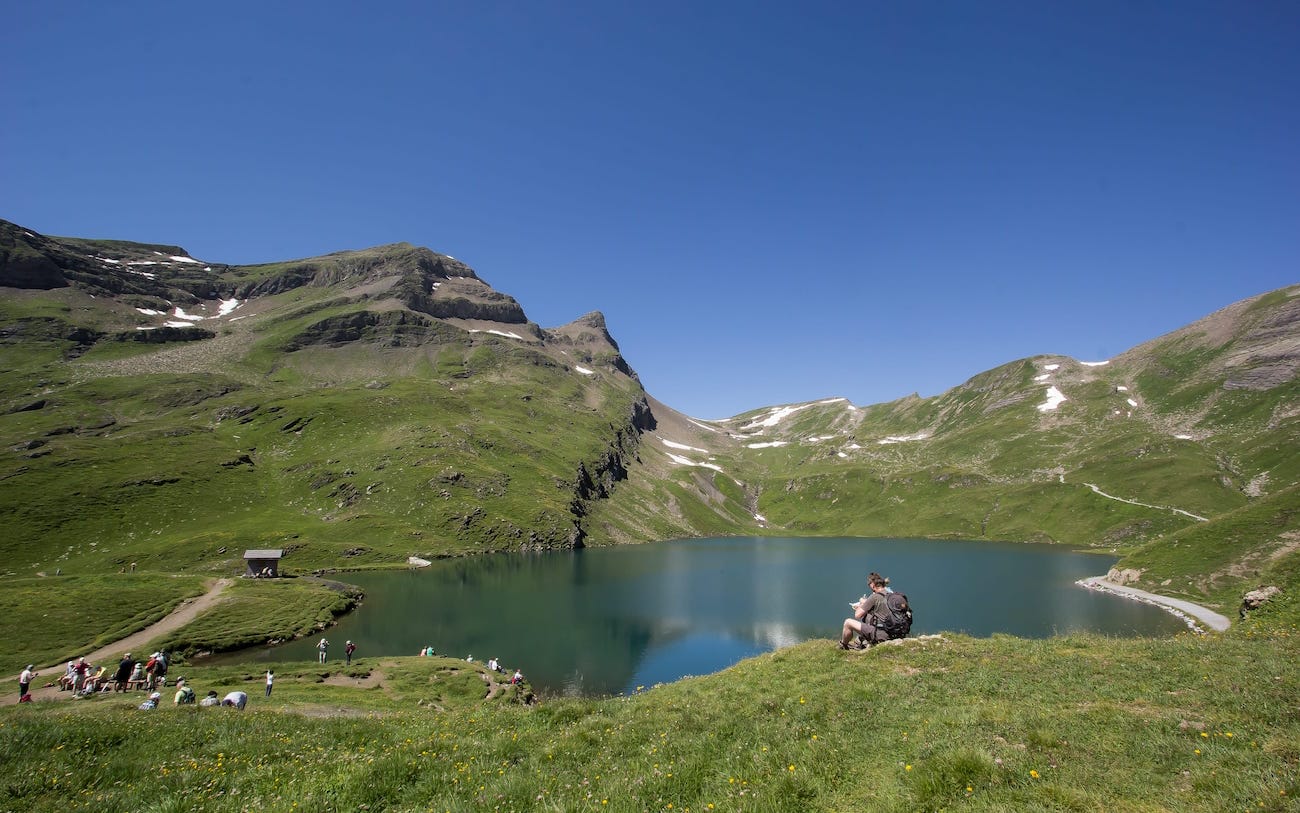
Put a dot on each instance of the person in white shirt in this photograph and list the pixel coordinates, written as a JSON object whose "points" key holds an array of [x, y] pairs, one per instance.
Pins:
{"points": [[25, 681], [236, 699]]}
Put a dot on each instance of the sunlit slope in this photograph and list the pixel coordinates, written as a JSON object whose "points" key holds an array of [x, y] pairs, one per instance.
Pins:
{"points": [[368, 405], [318, 406], [1177, 431]]}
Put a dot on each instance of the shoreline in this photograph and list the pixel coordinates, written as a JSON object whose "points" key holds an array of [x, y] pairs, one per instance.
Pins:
{"points": [[1193, 614]]}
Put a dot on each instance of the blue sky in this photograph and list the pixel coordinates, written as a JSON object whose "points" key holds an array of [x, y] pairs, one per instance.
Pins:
{"points": [[770, 202]]}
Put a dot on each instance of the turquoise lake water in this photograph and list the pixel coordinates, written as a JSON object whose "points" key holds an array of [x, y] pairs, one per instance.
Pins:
{"points": [[607, 620]]}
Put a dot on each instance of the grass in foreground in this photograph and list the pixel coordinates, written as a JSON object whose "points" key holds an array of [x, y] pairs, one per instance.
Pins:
{"points": [[1075, 723]]}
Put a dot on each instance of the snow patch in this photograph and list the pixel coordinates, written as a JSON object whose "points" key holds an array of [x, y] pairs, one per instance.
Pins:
{"points": [[1131, 402], [583, 370], [778, 414], [841, 454], [1183, 437], [686, 461], [227, 305], [703, 426], [178, 259], [672, 444], [1054, 399], [181, 314], [891, 439], [500, 333], [771, 444], [1095, 363], [1050, 367], [1042, 377], [150, 312], [1121, 388], [178, 324]]}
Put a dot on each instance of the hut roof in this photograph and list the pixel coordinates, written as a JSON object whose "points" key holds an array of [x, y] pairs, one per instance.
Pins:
{"points": [[263, 554]]}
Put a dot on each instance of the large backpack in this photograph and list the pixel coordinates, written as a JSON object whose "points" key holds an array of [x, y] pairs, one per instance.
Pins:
{"points": [[897, 620]]}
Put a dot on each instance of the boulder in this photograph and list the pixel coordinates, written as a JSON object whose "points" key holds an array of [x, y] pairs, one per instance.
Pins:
{"points": [[1257, 598], [1122, 577]]}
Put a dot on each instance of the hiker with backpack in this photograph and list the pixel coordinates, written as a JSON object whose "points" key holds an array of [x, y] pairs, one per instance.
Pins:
{"points": [[880, 616], [184, 694]]}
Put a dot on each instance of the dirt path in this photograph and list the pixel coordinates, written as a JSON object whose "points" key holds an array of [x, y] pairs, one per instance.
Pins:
{"points": [[1178, 607], [187, 611], [1100, 493]]}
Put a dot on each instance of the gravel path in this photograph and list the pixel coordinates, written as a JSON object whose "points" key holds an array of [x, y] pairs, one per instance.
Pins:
{"points": [[185, 612], [1178, 607]]}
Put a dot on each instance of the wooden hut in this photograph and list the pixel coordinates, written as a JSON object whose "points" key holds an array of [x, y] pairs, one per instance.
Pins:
{"points": [[263, 564]]}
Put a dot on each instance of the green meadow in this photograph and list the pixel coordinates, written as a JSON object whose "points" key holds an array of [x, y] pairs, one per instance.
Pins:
{"points": [[945, 723], [360, 411]]}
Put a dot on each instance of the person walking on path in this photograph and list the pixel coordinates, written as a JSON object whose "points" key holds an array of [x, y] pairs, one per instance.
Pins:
{"points": [[348, 649], [322, 648], [270, 679], [25, 681]]}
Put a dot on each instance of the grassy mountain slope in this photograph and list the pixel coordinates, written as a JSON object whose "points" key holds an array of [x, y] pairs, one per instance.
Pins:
{"points": [[1183, 429], [361, 407], [356, 408], [365, 406]]}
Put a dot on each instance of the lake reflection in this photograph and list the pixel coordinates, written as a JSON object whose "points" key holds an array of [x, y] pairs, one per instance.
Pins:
{"points": [[606, 620]]}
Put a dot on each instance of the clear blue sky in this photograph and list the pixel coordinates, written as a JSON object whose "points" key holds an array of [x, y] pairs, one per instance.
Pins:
{"points": [[770, 202]]}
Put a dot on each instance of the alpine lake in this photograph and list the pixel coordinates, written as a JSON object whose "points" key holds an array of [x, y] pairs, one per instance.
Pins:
{"points": [[602, 621]]}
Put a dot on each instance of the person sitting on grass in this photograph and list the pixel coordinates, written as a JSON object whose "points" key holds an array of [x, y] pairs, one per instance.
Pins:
{"points": [[866, 611], [184, 694], [211, 699]]}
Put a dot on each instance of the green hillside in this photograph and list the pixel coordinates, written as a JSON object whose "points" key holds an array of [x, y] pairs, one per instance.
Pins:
{"points": [[363, 407], [159, 416]]}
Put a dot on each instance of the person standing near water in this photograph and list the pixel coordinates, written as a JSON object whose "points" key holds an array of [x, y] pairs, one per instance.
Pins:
{"points": [[348, 649], [25, 681], [270, 679], [322, 648]]}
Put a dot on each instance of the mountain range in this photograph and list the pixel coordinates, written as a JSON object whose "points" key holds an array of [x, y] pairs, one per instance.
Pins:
{"points": [[359, 408]]}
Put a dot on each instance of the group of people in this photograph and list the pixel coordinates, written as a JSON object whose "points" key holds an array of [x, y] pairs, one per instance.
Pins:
{"points": [[323, 648], [82, 678], [494, 665], [185, 696], [880, 615]]}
